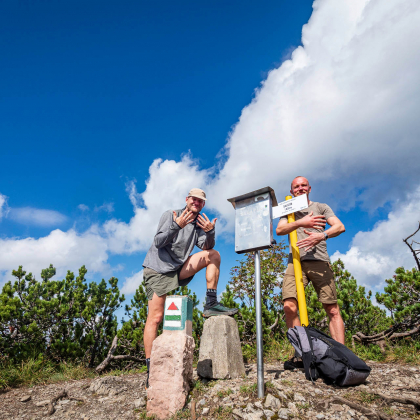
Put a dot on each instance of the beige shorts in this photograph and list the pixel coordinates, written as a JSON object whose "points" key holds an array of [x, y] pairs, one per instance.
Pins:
{"points": [[321, 276], [161, 284]]}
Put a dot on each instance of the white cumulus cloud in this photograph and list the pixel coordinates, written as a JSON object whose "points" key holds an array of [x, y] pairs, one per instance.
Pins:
{"points": [[166, 189], [131, 284], [65, 250], [343, 111], [374, 255], [38, 217]]}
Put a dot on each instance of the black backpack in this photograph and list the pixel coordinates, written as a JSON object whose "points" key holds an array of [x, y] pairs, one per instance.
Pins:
{"points": [[326, 358]]}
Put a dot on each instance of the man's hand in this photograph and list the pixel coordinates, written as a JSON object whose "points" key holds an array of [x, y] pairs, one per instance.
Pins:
{"points": [[313, 222], [314, 238], [184, 219], [205, 224]]}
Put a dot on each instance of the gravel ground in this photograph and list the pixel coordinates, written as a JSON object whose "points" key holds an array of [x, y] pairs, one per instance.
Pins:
{"points": [[288, 395]]}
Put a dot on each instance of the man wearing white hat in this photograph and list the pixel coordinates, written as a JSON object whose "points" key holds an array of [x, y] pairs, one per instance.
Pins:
{"points": [[168, 263]]}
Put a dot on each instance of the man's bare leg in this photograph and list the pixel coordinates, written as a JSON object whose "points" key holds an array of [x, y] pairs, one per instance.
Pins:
{"points": [[290, 306], [211, 260], [154, 318], [200, 260], [336, 324]]}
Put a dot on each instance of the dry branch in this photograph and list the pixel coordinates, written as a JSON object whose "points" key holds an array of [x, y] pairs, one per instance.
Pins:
{"points": [[110, 357], [51, 409], [275, 323], [399, 400], [388, 334], [366, 411], [193, 414], [413, 251]]}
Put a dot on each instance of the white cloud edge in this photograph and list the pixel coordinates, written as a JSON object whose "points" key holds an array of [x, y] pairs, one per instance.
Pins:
{"points": [[36, 217], [132, 283], [374, 255]]}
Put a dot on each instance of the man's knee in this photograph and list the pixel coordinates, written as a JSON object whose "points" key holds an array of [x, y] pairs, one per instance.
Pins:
{"points": [[214, 256], [332, 310], [155, 318], [290, 307]]}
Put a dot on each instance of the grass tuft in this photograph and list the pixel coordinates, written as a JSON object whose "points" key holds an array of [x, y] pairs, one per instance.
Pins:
{"points": [[40, 371], [250, 390]]}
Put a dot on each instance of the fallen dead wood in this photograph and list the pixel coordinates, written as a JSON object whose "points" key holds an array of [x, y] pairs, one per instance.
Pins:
{"points": [[366, 411], [110, 357], [391, 399], [193, 414], [389, 334], [51, 409], [62, 394]]}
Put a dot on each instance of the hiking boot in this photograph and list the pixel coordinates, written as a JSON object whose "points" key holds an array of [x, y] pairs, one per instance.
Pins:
{"points": [[293, 363], [219, 309], [147, 381]]}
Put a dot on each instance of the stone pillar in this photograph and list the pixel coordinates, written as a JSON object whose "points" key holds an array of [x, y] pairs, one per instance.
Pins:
{"points": [[171, 369], [220, 349]]}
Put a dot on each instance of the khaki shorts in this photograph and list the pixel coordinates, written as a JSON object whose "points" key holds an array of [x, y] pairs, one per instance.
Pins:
{"points": [[321, 276], [161, 284]]}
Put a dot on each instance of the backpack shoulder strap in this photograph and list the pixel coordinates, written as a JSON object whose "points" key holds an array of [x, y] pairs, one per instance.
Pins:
{"points": [[311, 371], [307, 353]]}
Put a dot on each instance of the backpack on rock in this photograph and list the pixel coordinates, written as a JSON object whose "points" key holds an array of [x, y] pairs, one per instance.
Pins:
{"points": [[325, 358]]}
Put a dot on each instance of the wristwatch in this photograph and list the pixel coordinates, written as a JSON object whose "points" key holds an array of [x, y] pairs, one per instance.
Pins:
{"points": [[326, 235]]}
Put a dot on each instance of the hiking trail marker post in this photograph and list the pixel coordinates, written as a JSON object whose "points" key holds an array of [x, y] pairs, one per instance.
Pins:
{"points": [[254, 232], [171, 360]]}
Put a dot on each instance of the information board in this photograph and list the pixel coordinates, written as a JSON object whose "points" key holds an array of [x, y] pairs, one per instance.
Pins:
{"points": [[253, 223]]}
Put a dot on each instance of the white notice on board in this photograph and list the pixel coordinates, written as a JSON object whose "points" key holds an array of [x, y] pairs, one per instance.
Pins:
{"points": [[290, 206]]}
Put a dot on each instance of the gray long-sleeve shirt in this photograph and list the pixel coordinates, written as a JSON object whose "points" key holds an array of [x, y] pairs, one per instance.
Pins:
{"points": [[172, 245]]}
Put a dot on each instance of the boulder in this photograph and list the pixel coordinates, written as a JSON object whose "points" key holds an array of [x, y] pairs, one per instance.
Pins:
{"points": [[171, 373], [220, 349]]}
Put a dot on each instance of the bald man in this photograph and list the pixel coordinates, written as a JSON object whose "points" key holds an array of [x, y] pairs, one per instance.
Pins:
{"points": [[316, 266]]}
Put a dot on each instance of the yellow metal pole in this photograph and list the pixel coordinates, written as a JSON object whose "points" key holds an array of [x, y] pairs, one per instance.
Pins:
{"points": [[303, 312]]}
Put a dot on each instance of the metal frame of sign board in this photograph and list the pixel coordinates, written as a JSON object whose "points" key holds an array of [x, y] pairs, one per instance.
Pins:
{"points": [[253, 194]]}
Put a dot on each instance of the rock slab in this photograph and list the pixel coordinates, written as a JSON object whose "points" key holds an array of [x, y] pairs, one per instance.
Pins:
{"points": [[171, 373], [108, 385], [220, 350]]}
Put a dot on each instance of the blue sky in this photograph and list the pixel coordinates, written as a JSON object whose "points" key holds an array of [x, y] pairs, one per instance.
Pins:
{"points": [[111, 112]]}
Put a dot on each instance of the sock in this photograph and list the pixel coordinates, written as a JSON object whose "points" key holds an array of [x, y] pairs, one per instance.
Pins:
{"points": [[148, 364], [211, 297]]}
